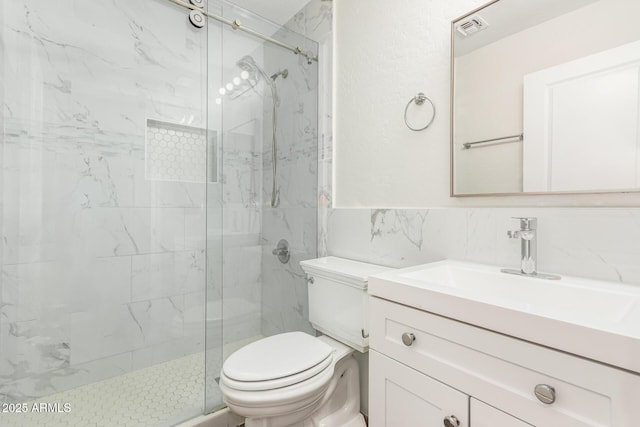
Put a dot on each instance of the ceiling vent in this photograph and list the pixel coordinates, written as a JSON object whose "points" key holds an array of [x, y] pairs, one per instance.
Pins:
{"points": [[471, 25]]}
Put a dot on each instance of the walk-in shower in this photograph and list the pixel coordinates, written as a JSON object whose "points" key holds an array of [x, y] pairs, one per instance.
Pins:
{"points": [[138, 214]]}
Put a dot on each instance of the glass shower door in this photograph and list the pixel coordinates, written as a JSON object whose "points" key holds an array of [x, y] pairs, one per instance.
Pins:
{"points": [[261, 96], [103, 170]]}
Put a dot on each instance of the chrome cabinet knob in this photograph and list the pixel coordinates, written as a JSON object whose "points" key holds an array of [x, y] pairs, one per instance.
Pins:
{"points": [[408, 338], [545, 393], [451, 421]]}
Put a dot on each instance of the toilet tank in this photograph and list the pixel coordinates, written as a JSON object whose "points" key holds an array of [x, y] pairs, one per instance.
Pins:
{"points": [[338, 299]]}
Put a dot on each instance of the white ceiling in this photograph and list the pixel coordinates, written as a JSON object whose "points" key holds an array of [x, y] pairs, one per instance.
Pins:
{"points": [[279, 11], [507, 17]]}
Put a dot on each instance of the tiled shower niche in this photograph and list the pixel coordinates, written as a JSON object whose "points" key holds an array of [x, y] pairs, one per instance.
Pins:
{"points": [[176, 152]]}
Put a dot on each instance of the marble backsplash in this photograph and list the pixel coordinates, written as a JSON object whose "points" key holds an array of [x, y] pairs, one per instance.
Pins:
{"points": [[596, 243]]}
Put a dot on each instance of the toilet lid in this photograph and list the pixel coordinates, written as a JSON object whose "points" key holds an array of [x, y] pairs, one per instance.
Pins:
{"points": [[278, 356]]}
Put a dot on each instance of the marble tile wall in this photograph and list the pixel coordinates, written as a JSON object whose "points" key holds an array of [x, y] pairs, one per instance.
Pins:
{"points": [[284, 289], [102, 269], [597, 243], [316, 22]]}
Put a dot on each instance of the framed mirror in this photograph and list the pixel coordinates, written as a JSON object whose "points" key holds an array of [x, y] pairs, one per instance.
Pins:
{"points": [[545, 98]]}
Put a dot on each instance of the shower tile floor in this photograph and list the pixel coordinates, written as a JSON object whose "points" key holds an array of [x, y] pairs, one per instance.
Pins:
{"points": [[163, 394]]}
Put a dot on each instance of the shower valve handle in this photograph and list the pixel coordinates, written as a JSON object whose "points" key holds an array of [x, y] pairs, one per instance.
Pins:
{"points": [[282, 251]]}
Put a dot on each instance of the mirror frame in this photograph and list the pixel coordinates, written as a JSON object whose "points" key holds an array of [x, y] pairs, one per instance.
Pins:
{"points": [[452, 193]]}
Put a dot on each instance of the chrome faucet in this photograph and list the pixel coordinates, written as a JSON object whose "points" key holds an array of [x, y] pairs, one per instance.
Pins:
{"points": [[528, 250]]}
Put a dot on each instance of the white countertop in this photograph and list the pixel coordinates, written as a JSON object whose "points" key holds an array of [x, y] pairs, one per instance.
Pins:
{"points": [[594, 319]]}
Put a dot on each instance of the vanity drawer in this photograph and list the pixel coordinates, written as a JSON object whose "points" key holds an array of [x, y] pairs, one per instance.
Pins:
{"points": [[504, 371]]}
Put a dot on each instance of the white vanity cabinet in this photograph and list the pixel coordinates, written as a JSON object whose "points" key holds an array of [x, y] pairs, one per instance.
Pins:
{"points": [[446, 368], [401, 396]]}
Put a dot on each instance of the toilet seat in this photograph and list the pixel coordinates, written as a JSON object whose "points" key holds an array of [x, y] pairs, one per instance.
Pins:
{"points": [[280, 382], [277, 361], [280, 400]]}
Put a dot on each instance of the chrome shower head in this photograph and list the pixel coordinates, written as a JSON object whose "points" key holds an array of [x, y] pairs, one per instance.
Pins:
{"points": [[248, 64]]}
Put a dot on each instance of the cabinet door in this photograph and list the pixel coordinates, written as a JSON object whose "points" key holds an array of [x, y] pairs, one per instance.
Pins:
{"points": [[401, 396], [483, 415], [503, 371]]}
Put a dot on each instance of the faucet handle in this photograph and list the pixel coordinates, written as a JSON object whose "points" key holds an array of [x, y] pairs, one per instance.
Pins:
{"points": [[527, 223]]}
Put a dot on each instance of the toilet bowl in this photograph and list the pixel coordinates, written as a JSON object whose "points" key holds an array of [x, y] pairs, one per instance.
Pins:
{"points": [[298, 380], [298, 375]]}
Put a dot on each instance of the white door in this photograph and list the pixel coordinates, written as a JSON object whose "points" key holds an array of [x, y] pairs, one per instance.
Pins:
{"points": [[582, 124], [483, 415], [400, 396]]}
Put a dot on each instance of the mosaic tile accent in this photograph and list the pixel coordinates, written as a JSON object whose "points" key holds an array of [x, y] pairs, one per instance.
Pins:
{"points": [[177, 153], [160, 395]]}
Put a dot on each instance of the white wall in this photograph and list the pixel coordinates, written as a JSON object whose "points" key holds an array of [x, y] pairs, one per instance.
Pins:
{"points": [[384, 55]]}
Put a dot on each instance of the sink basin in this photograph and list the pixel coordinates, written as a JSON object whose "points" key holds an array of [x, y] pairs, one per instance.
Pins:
{"points": [[595, 319], [571, 299]]}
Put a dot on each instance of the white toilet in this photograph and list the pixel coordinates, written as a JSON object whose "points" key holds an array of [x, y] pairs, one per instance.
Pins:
{"points": [[295, 379]]}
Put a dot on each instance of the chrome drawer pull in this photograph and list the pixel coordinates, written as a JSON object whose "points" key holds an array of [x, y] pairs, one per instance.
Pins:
{"points": [[545, 393], [451, 421], [408, 338]]}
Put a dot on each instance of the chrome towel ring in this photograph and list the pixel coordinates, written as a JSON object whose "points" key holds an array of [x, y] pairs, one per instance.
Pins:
{"points": [[419, 99]]}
